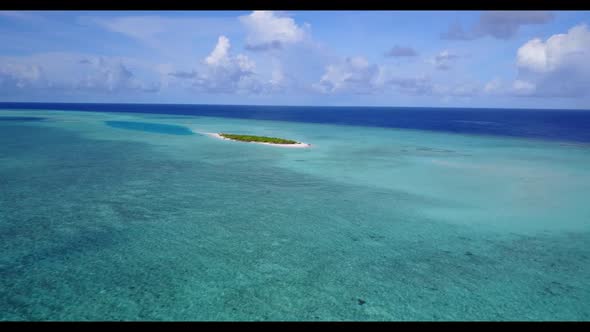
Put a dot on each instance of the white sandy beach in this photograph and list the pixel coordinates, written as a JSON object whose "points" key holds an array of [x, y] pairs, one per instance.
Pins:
{"points": [[296, 145]]}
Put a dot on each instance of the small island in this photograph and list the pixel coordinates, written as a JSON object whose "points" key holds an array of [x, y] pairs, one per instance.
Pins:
{"points": [[282, 142], [262, 139]]}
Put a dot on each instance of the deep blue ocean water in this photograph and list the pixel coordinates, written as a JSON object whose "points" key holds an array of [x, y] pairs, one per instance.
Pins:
{"points": [[567, 125]]}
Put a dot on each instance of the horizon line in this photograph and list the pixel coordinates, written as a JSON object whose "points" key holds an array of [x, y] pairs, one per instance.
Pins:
{"points": [[323, 106]]}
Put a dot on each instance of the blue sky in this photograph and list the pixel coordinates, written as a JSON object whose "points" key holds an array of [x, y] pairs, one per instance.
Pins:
{"points": [[515, 59]]}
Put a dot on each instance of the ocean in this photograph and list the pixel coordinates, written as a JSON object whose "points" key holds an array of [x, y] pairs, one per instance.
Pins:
{"points": [[128, 212]]}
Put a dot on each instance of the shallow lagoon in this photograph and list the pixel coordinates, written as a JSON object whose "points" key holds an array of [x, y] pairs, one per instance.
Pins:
{"points": [[101, 223]]}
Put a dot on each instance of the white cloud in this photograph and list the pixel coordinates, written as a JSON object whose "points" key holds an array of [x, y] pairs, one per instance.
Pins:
{"points": [[18, 75], [219, 53], [354, 74], [111, 75], [226, 73], [270, 30], [561, 50], [221, 72], [555, 67], [69, 72], [558, 66], [532, 55]]}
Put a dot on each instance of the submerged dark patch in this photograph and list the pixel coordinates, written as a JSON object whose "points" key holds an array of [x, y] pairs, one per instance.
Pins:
{"points": [[150, 127], [21, 118]]}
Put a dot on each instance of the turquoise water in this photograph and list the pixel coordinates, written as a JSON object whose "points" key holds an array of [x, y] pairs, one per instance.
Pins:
{"points": [[135, 222]]}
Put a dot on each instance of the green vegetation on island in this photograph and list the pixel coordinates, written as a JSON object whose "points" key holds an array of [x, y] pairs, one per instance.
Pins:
{"points": [[263, 139]]}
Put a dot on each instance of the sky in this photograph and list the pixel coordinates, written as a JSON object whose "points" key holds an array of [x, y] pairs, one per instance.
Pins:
{"points": [[489, 59]]}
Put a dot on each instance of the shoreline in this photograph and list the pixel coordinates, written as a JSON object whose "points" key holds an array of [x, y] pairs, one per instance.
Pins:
{"points": [[218, 136]]}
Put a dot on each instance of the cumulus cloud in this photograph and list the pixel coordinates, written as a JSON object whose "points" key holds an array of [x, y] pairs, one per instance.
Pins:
{"points": [[555, 67], [268, 30], [19, 76], [222, 72], [498, 24], [219, 55], [532, 56], [109, 76], [561, 50], [69, 72], [400, 51], [515, 88], [558, 66], [354, 74]]}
